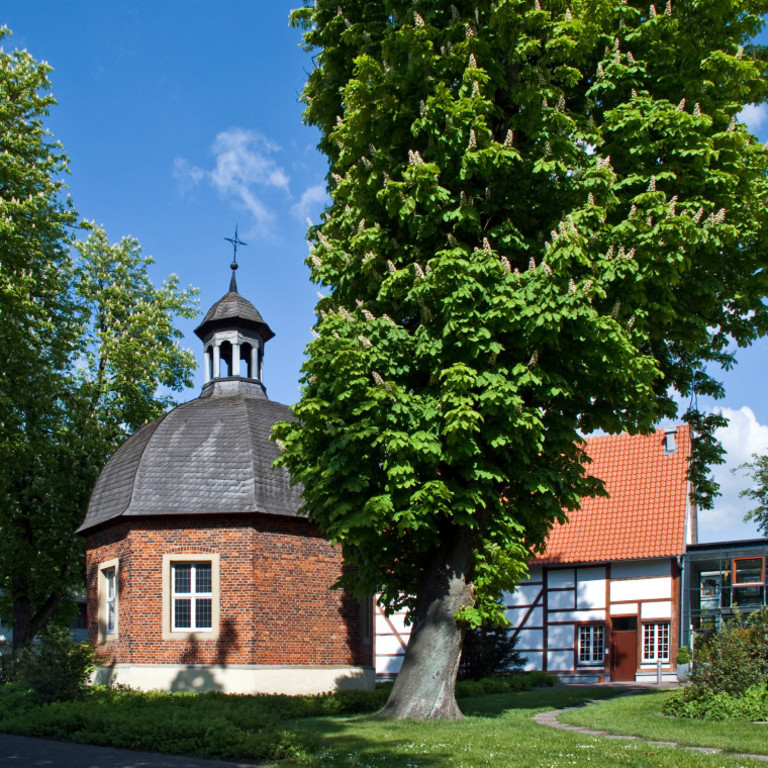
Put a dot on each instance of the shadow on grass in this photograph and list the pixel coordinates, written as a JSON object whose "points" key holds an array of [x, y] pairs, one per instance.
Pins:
{"points": [[495, 705]]}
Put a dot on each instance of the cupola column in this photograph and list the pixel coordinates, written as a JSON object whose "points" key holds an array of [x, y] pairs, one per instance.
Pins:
{"points": [[255, 372], [235, 359], [216, 361], [207, 365]]}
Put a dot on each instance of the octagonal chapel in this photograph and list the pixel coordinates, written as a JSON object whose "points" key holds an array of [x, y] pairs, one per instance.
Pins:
{"points": [[201, 573]]}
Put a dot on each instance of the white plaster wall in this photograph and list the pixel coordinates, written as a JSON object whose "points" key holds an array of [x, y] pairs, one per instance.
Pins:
{"points": [[560, 636], [397, 621], [660, 610], [528, 639], [559, 660], [598, 614], [290, 680], [534, 660], [624, 609], [562, 577], [525, 594], [590, 588], [389, 644], [561, 600], [642, 589], [388, 665], [516, 616]]}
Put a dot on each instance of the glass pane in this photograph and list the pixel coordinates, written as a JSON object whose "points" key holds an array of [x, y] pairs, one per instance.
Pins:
{"points": [[748, 571], [203, 579], [748, 595], [182, 614], [597, 651], [111, 616], [203, 613], [182, 579], [110, 576]]}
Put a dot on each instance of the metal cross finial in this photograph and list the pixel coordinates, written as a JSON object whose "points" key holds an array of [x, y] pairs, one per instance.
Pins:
{"points": [[235, 242]]}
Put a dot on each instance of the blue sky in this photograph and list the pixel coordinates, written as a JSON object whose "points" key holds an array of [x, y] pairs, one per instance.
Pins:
{"points": [[182, 119]]}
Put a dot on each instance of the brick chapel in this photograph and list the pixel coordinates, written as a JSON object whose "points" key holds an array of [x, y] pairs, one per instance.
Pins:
{"points": [[201, 573]]}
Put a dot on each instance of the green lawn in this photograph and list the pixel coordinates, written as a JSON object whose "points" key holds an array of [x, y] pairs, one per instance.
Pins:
{"points": [[641, 715], [323, 731], [498, 732]]}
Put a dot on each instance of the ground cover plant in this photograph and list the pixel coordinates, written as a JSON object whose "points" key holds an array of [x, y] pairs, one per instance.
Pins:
{"points": [[643, 716], [338, 729], [236, 727]]}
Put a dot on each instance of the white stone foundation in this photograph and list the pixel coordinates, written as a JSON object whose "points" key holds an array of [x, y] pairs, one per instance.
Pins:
{"points": [[290, 680]]}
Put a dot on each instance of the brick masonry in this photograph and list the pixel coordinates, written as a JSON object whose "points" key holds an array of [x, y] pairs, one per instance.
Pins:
{"points": [[276, 602]]}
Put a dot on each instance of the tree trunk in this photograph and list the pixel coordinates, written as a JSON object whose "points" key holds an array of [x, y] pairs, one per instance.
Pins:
{"points": [[425, 688]]}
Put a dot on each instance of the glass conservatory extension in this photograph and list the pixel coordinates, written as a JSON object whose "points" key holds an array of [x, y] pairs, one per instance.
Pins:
{"points": [[720, 579]]}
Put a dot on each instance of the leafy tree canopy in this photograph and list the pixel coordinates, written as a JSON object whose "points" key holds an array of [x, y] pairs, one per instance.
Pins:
{"points": [[757, 471], [546, 218], [86, 341]]}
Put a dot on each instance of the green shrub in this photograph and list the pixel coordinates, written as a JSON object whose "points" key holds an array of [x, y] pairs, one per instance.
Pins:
{"points": [[684, 655], [729, 673], [57, 670], [733, 659], [701, 704], [488, 651]]}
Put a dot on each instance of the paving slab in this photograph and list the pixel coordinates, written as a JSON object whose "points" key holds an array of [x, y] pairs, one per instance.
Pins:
{"points": [[25, 752]]}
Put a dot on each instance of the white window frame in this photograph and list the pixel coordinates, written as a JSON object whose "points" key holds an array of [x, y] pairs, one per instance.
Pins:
{"points": [[170, 632], [594, 648], [108, 595], [656, 641], [193, 596]]}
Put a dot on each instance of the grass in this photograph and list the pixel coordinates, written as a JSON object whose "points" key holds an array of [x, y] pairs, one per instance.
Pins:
{"points": [[323, 731], [641, 715], [498, 732]]}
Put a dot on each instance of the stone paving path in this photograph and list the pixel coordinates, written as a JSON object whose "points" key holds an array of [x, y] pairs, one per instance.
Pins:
{"points": [[550, 718]]}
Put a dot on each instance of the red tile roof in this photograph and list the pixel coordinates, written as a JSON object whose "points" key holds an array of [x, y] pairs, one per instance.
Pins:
{"points": [[644, 515]]}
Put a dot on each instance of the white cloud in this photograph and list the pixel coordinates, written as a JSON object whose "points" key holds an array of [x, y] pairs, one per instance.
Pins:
{"points": [[311, 199], [244, 167], [187, 176], [754, 116], [743, 436]]}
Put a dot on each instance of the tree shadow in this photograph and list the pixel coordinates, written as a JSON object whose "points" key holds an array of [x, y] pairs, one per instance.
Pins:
{"points": [[199, 676], [495, 705]]}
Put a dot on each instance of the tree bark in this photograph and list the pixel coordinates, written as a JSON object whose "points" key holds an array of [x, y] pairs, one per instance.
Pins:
{"points": [[425, 688]]}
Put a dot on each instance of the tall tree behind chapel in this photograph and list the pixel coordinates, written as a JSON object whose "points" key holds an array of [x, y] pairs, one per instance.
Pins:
{"points": [[85, 340]]}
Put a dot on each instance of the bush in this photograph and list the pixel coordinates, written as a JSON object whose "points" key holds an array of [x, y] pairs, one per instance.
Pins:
{"points": [[684, 655], [701, 704], [58, 670], [733, 659], [488, 651], [729, 673]]}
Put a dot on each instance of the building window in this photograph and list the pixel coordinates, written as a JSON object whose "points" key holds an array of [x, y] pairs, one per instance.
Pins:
{"points": [[108, 597], [190, 596], [656, 641], [748, 580], [591, 644]]}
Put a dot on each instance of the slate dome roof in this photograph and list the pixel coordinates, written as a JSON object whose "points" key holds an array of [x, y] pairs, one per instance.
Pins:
{"points": [[211, 455], [233, 307]]}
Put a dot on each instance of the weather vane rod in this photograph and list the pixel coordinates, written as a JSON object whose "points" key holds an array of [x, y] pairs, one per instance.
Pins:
{"points": [[235, 242]]}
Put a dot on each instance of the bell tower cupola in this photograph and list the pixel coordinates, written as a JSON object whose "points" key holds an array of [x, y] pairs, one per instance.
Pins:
{"points": [[233, 335]]}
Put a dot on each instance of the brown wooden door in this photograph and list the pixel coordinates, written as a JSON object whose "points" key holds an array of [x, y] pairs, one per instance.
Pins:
{"points": [[623, 654]]}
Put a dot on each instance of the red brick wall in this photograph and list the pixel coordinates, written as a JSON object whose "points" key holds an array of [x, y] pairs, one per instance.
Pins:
{"points": [[275, 598]]}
